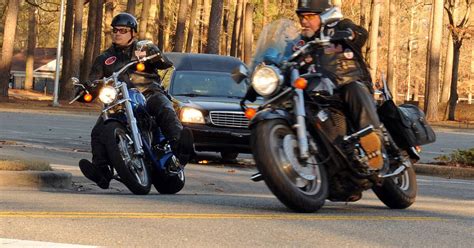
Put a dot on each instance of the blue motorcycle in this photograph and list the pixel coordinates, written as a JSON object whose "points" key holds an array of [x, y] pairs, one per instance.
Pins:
{"points": [[139, 154]]}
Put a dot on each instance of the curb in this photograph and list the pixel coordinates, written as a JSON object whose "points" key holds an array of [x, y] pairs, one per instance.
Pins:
{"points": [[36, 179], [444, 171]]}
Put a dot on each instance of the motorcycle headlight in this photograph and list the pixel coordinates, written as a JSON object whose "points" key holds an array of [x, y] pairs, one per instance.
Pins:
{"points": [[108, 94], [191, 115], [265, 80]]}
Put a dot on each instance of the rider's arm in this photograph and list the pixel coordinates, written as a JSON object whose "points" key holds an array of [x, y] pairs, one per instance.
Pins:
{"points": [[359, 33]]}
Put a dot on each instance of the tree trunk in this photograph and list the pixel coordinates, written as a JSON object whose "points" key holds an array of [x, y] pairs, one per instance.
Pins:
{"points": [[337, 3], [265, 13], [453, 99], [30, 54], [131, 5], [248, 33], [392, 41], [90, 40], [7, 47], [374, 35], [109, 14], [225, 28], [236, 29], [206, 7], [162, 26], [431, 99], [144, 19], [75, 65], [192, 26], [410, 50], [181, 26], [67, 46], [98, 29], [448, 70], [152, 30], [215, 22], [240, 35]]}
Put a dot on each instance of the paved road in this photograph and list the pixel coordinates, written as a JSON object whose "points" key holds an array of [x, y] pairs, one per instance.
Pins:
{"points": [[61, 131], [219, 206]]}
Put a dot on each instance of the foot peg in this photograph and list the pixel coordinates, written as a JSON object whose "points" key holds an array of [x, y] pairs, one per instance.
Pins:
{"points": [[257, 177]]}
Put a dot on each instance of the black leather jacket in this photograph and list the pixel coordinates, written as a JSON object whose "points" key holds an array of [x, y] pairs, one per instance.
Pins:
{"points": [[115, 57], [342, 62]]}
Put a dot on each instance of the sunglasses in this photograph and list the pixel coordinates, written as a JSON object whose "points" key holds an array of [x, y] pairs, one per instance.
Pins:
{"points": [[120, 30], [307, 17]]}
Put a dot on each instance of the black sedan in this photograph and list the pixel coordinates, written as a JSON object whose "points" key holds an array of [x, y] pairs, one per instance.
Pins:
{"points": [[207, 101]]}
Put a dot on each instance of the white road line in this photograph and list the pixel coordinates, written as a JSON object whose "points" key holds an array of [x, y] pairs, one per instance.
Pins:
{"points": [[13, 243], [447, 182]]}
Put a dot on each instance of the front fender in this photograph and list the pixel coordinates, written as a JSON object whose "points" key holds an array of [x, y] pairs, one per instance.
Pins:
{"points": [[270, 114]]}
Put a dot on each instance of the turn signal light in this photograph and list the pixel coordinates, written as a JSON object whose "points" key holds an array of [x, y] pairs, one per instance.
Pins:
{"points": [[250, 113], [87, 97], [140, 67], [301, 83], [418, 149]]}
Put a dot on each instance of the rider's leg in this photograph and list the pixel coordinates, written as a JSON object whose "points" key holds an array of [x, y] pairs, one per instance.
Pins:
{"points": [[361, 108], [181, 140], [97, 171]]}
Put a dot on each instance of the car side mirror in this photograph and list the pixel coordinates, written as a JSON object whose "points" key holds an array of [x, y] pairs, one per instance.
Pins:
{"points": [[240, 73]]}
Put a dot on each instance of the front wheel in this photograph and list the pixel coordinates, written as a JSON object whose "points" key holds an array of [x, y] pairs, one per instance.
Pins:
{"points": [[130, 167], [301, 185], [398, 192]]}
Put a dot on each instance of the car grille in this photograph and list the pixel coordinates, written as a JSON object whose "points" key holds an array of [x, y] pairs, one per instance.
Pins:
{"points": [[229, 119]]}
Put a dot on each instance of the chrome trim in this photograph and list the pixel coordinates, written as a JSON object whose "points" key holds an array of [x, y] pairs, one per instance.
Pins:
{"points": [[238, 119]]}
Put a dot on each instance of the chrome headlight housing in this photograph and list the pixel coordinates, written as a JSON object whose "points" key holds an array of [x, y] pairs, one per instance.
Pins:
{"points": [[108, 94], [191, 115], [266, 79]]}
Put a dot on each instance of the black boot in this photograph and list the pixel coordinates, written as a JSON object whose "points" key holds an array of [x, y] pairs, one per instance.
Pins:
{"points": [[101, 175], [183, 148]]}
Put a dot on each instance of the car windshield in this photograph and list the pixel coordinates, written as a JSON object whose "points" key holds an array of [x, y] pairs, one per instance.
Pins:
{"points": [[207, 84]]}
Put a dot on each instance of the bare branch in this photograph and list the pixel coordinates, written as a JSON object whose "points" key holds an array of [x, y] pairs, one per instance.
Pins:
{"points": [[39, 5]]}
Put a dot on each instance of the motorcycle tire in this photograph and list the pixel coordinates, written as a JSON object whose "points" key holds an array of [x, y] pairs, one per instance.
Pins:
{"points": [[120, 153], [273, 163], [398, 192]]}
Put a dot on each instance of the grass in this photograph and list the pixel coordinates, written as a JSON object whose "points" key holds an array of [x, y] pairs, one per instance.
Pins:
{"points": [[23, 165], [459, 158]]}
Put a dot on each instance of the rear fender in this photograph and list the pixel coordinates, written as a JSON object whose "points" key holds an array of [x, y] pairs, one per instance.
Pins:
{"points": [[271, 114]]}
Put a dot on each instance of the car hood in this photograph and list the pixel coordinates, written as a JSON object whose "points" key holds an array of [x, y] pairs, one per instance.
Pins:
{"points": [[211, 103]]}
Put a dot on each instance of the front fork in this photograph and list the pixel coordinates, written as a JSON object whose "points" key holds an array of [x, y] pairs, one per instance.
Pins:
{"points": [[132, 122], [300, 112]]}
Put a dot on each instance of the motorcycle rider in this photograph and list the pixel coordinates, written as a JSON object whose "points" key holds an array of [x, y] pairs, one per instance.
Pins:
{"points": [[122, 51], [343, 64]]}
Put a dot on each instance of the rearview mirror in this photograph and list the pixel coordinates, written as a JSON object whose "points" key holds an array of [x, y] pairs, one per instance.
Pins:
{"points": [[75, 80], [240, 73], [332, 15]]}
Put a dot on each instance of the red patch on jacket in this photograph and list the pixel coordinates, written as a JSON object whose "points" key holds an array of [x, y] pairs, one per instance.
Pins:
{"points": [[110, 60]]}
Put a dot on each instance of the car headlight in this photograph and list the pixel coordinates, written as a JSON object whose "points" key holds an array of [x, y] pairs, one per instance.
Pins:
{"points": [[191, 115], [108, 94], [265, 80]]}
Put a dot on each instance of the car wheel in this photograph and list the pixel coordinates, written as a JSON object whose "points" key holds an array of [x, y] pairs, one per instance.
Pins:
{"points": [[229, 155]]}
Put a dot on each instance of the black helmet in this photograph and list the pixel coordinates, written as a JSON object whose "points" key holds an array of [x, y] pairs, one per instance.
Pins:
{"points": [[126, 20], [313, 6]]}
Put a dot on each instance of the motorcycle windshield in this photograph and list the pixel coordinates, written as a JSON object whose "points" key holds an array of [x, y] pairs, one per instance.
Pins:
{"points": [[276, 42]]}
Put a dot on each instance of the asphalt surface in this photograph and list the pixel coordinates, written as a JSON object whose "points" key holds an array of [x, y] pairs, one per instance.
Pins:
{"points": [[219, 205]]}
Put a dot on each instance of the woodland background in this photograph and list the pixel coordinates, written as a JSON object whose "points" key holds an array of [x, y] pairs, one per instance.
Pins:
{"points": [[411, 41]]}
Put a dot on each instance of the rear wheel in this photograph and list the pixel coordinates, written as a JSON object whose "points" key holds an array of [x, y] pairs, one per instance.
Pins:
{"points": [[301, 185], [398, 192], [131, 168]]}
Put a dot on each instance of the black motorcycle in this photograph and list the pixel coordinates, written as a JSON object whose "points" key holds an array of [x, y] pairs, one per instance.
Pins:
{"points": [[305, 149]]}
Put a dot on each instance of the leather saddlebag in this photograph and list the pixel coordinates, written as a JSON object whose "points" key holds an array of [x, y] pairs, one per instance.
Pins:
{"points": [[407, 124]]}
